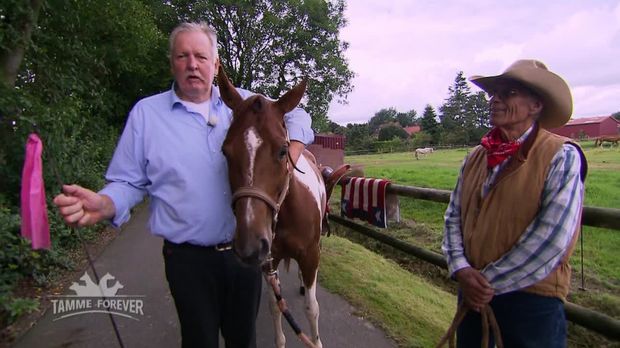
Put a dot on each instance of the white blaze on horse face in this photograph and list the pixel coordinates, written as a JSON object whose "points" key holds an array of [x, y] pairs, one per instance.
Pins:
{"points": [[252, 143]]}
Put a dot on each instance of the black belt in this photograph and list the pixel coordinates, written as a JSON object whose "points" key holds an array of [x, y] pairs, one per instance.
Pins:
{"points": [[218, 247]]}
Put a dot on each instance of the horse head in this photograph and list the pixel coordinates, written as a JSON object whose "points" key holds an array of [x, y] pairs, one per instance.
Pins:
{"points": [[259, 168]]}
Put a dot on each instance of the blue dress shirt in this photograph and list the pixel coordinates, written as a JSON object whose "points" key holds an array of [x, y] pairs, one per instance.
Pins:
{"points": [[169, 151]]}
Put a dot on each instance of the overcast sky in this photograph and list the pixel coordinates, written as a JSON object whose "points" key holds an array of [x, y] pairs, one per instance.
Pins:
{"points": [[406, 53]]}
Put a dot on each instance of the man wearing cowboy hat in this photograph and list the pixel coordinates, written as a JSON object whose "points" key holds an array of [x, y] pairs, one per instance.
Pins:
{"points": [[514, 215]]}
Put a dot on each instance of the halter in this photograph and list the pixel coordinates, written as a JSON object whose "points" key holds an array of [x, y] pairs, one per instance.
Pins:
{"points": [[275, 205], [253, 192]]}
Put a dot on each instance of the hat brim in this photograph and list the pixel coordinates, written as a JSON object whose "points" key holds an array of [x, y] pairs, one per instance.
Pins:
{"points": [[555, 93]]}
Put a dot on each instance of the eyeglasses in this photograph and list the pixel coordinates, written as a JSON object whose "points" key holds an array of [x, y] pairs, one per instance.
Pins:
{"points": [[504, 93]]}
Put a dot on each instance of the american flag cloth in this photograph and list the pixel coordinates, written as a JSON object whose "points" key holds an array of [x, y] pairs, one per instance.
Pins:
{"points": [[364, 198]]}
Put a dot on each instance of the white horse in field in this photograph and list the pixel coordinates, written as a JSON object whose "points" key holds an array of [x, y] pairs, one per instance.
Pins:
{"points": [[422, 151]]}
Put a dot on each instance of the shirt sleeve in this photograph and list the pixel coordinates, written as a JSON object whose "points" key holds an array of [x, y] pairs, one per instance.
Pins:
{"points": [[452, 245], [299, 125], [546, 239], [126, 175]]}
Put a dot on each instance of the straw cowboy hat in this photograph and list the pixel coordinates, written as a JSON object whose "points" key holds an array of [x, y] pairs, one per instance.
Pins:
{"points": [[556, 96]]}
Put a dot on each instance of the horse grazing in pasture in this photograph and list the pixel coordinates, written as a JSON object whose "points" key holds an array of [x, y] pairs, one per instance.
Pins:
{"points": [[422, 151], [613, 139], [279, 206]]}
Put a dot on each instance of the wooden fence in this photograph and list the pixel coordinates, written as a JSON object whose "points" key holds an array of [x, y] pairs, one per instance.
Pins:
{"points": [[592, 216]]}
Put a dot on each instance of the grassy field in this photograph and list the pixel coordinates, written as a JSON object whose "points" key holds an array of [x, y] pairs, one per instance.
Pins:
{"points": [[423, 223]]}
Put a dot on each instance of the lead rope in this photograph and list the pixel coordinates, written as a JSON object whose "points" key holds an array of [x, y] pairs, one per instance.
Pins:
{"points": [[488, 320], [83, 243], [271, 276]]}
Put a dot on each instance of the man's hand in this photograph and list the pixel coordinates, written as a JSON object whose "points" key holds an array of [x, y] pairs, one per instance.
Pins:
{"points": [[82, 207], [476, 290]]}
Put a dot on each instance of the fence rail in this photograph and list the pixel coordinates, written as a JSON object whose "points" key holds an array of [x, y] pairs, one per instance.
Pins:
{"points": [[592, 216]]}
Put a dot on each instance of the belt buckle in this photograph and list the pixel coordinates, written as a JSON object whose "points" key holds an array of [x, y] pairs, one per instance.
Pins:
{"points": [[223, 246]]}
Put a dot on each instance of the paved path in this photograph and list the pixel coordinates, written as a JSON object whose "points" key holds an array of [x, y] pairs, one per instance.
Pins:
{"points": [[134, 259]]}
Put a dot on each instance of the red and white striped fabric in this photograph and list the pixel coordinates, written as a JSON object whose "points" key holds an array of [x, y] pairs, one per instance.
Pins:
{"points": [[365, 199]]}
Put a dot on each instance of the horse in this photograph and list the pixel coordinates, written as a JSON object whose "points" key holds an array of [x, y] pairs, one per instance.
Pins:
{"points": [[422, 151], [613, 139], [279, 206]]}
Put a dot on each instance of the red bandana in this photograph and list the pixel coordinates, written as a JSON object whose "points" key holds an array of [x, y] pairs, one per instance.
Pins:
{"points": [[497, 148]]}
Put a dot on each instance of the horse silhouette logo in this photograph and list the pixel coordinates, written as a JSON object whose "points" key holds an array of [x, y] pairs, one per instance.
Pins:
{"points": [[90, 289]]}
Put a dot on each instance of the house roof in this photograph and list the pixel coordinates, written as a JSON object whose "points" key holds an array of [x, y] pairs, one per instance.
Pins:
{"points": [[412, 129], [588, 120]]}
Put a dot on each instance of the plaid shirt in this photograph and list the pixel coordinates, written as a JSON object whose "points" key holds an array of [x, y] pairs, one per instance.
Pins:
{"points": [[541, 247]]}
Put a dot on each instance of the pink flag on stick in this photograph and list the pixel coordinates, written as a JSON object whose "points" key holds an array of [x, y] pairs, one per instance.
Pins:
{"points": [[35, 225]]}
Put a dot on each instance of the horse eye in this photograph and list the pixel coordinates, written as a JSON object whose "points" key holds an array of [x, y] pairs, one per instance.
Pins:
{"points": [[283, 152]]}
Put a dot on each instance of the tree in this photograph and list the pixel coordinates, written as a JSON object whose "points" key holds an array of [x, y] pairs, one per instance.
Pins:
{"points": [[421, 139], [358, 136], [84, 66], [452, 112], [18, 18], [464, 116], [429, 124], [336, 128], [478, 109], [382, 117], [406, 119], [392, 131], [269, 46], [616, 115]]}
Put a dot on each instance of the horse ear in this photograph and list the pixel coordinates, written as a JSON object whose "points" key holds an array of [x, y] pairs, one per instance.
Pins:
{"points": [[290, 100], [229, 94]]}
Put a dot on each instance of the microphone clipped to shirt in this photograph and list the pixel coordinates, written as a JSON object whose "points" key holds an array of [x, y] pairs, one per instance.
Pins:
{"points": [[211, 120]]}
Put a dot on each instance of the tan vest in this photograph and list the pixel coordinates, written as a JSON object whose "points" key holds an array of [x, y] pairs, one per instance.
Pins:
{"points": [[492, 226]]}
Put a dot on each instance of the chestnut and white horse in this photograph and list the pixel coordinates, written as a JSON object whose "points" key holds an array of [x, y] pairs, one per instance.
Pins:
{"points": [[279, 205]]}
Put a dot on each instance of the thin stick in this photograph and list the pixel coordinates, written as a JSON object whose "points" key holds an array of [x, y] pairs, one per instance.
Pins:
{"points": [[79, 235]]}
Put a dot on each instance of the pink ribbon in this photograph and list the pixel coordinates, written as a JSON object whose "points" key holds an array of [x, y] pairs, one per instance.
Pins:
{"points": [[35, 226]]}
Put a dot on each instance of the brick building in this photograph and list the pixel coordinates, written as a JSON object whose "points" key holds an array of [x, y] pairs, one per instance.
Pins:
{"points": [[590, 127]]}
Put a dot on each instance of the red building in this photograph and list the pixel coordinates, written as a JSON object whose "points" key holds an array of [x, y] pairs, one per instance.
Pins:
{"points": [[589, 127], [411, 130], [328, 149]]}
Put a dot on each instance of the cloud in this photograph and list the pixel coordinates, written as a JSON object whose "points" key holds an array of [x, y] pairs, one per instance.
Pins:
{"points": [[407, 53]]}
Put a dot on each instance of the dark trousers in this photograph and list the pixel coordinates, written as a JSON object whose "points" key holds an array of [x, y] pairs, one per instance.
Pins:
{"points": [[213, 291], [524, 319]]}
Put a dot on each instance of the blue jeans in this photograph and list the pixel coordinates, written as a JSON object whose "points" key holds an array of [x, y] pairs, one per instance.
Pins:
{"points": [[524, 319]]}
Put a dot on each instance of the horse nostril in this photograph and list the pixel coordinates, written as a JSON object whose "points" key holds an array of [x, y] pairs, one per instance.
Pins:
{"points": [[264, 246]]}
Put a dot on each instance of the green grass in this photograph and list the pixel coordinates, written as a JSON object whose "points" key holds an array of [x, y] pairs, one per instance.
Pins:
{"points": [[409, 308]]}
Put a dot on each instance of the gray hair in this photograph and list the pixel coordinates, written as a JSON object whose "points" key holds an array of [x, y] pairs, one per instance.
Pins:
{"points": [[194, 26]]}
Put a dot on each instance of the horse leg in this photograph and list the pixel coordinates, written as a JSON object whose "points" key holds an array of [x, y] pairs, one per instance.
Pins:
{"points": [[310, 271], [280, 340], [276, 314]]}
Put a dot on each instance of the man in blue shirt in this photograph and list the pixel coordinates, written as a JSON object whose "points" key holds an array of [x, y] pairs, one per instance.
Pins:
{"points": [[171, 150]]}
